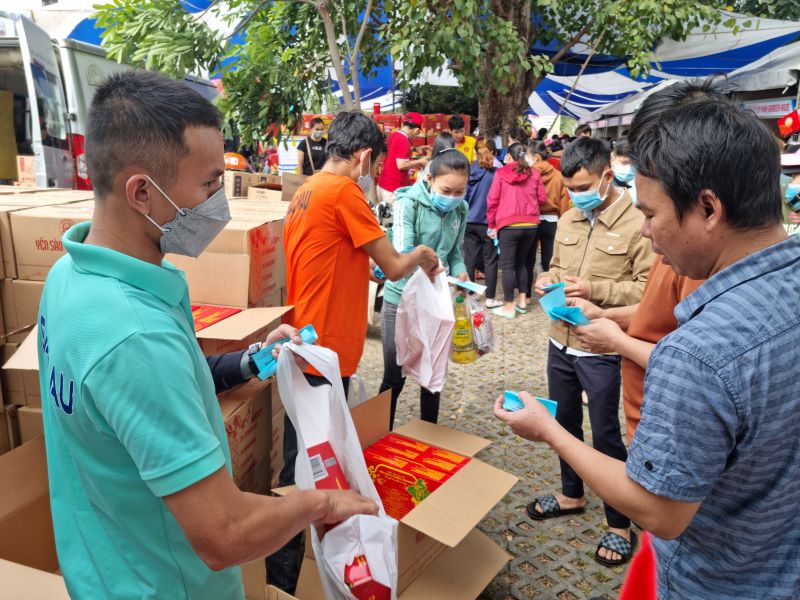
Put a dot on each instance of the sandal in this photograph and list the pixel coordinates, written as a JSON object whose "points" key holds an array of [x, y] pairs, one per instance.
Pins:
{"points": [[550, 509], [521, 309], [501, 313], [616, 543], [492, 303]]}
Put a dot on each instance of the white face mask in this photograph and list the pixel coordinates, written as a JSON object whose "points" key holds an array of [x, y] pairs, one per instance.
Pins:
{"points": [[316, 135], [193, 229]]}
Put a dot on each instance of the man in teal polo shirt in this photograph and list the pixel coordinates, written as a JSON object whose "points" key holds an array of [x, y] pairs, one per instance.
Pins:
{"points": [[142, 498]]}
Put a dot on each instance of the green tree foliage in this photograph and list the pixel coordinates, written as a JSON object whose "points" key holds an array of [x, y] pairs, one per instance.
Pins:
{"points": [[774, 9], [293, 48]]}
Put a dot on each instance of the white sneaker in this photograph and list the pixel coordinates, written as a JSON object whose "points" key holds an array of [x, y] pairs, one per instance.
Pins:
{"points": [[492, 303]]}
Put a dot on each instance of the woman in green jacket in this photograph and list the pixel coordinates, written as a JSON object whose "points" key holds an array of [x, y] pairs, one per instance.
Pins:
{"points": [[432, 212]]}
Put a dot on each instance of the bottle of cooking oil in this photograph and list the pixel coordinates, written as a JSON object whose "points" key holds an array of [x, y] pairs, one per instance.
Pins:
{"points": [[462, 350]]}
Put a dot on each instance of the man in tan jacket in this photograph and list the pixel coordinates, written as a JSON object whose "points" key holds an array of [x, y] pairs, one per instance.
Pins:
{"points": [[600, 255]]}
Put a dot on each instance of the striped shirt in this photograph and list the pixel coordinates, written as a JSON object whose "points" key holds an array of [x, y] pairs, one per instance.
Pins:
{"points": [[721, 426]]}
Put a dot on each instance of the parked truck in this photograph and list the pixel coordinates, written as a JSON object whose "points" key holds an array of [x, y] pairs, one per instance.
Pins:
{"points": [[46, 87]]}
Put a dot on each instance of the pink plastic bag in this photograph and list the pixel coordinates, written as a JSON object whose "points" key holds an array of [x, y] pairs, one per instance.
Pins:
{"points": [[425, 321]]}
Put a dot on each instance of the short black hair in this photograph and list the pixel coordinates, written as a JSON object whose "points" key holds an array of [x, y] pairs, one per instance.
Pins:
{"points": [[447, 161], [351, 131], [140, 118], [718, 146], [583, 128], [519, 134], [668, 98], [586, 153], [456, 122], [443, 141], [538, 147], [622, 147], [541, 133], [316, 121]]}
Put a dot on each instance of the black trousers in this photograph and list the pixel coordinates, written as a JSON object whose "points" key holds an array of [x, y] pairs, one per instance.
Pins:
{"points": [[478, 245], [393, 373], [516, 244], [283, 567], [545, 238], [599, 377]]}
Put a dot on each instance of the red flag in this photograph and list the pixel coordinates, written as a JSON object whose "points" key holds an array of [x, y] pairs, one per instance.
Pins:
{"points": [[789, 124], [640, 583]]}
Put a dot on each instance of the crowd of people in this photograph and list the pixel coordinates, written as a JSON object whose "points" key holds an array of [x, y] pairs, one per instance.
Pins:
{"points": [[672, 244]]}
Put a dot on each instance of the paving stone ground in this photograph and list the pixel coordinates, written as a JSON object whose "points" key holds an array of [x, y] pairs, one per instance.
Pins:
{"points": [[551, 559]]}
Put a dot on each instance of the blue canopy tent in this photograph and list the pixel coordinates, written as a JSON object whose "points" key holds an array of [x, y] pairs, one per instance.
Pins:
{"points": [[701, 55]]}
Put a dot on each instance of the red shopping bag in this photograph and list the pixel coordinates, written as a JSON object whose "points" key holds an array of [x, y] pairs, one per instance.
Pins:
{"points": [[640, 583]]}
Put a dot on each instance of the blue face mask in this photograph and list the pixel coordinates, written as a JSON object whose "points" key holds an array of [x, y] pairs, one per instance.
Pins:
{"points": [[588, 200], [791, 196], [445, 204], [624, 173]]}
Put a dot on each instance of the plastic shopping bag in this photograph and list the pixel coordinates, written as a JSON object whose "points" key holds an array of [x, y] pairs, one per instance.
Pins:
{"points": [[425, 321], [322, 420], [482, 329]]}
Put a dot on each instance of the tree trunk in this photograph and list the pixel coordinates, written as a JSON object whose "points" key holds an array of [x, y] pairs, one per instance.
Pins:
{"points": [[498, 113], [335, 55]]}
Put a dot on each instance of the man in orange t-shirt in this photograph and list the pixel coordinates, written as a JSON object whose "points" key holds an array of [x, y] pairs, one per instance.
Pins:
{"points": [[330, 234], [633, 331]]}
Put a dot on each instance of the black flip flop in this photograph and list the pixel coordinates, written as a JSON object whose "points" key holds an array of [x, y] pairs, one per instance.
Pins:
{"points": [[550, 509], [616, 543]]}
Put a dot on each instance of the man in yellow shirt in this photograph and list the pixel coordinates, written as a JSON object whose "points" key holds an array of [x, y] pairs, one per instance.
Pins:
{"points": [[464, 143]]}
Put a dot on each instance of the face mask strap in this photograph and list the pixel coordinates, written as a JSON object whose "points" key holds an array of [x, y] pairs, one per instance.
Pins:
{"points": [[163, 193]]}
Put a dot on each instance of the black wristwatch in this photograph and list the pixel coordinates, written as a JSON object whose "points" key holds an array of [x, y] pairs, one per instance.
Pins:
{"points": [[249, 368]]}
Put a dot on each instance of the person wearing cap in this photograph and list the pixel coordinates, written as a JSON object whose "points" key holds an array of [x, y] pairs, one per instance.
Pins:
{"points": [[464, 143], [398, 161]]}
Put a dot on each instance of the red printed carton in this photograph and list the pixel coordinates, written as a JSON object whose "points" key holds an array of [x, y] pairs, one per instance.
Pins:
{"points": [[407, 471]]}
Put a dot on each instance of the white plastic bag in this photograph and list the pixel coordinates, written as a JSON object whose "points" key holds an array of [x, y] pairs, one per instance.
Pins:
{"points": [[423, 331], [321, 414], [482, 329]]}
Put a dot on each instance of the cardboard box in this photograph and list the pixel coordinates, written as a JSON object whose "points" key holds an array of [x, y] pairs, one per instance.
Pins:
{"points": [[26, 527], [20, 372], [9, 204], [15, 189], [237, 182], [5, 440], [238, 331], [24, 583], [291, 183], [26, 170], [276, 461], [20, 300], [37, 234], [28, 560], [269, 190], [247, 413], [241, 268], [31, 424], [441, 553]]}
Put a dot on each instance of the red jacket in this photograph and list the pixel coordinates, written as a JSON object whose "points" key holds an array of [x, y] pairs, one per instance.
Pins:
{"points": [[514, 197]]}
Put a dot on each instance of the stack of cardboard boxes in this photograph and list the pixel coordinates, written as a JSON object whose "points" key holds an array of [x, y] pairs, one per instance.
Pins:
{"points": [[31, 225]]}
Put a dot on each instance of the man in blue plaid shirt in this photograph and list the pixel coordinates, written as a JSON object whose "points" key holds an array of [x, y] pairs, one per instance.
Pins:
{"points": [[713, 468]]}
